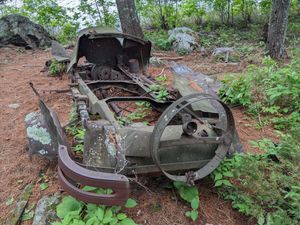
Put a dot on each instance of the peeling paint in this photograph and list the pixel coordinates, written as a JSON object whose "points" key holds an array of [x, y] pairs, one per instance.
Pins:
{"points": [[39, 134]]}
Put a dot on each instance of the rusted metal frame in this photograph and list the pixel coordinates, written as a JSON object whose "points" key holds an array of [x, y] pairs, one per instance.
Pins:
{"points": [[81, 103], [69, 172], [118, 35], [119, 87], [114, 106], [191, 141], [141, 81], [151, 168], [159, 106], [135, 77], [104, 112], [220, 152]]}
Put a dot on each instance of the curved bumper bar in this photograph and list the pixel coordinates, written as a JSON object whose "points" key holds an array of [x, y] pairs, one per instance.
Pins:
{"points": [[70, 174]]}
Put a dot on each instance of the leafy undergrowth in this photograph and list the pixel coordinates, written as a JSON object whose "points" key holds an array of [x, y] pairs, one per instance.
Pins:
{"points": [[73, 212], [56, 68], [191, 195], [266, 186], [76, 131], [268, 91]]}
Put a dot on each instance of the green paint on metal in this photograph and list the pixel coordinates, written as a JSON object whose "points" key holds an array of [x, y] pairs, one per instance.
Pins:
{"points": [[39, 134]]}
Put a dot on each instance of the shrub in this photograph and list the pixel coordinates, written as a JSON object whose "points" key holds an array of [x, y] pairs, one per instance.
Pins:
{"points": [[267, 186], [268, 90]]}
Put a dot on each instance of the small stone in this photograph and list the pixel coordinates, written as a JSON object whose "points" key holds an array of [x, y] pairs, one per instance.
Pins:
{"points": [[16, 214], [45, 209], [14, 106]]}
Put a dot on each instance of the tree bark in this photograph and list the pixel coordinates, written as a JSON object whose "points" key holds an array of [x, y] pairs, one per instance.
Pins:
{"points": [[128, 17], [277, 28], [228, 12]]}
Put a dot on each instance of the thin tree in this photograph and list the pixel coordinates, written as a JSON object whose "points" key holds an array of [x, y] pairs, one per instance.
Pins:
{"points": [[128, 17], [277, 28]]}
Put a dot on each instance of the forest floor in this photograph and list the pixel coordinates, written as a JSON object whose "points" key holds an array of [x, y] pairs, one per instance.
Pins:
{"points": [[157, 205]]}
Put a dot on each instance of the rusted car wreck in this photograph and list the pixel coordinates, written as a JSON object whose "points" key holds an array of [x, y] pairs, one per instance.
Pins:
{"points": [[191, 135]]}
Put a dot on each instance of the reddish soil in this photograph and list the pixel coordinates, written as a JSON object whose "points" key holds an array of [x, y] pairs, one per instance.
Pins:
{"points": [[161, 206], [17, 68]]}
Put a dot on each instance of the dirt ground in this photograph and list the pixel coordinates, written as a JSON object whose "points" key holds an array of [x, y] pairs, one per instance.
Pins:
{"points": [[156, 206]]}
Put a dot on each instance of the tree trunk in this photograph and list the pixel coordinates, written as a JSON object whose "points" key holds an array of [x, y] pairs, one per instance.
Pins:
{"points": [[228, 12], [277, 28], [222, 15], [128, 17]]}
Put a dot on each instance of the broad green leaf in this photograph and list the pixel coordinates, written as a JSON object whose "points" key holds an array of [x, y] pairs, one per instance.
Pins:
{"points": [[27, 216], [188, 193], [218, 176], [121, 216], [101, 191], [261, 220], [195, 203], [109, 191], [130, 203], [114, 221], [89, 188], [178, 184], [228, 174], [77, 222], [192, 214], [108, 216], [226, 182], [92, 221], [218, 183], [100, 213], [44, 186], [91, 207], [68, 204], [127, 221], [116, 208]]}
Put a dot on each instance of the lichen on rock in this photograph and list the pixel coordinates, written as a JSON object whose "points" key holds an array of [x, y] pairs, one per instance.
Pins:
{"points": [[39, 134]]}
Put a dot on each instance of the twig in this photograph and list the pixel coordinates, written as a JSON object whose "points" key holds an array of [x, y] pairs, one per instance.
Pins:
{"points": [[31, 66], [163, 70], [139, 183], [171, 58], [57, 90]]}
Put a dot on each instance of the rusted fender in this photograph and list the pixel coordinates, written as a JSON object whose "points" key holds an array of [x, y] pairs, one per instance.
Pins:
{"points": [[70, 174]]}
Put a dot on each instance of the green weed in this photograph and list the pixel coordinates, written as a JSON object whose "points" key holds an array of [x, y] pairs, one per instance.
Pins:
{"points": [[56, 68], [191, 195], [266, 186], [268, 90], [72, 211], [76, 131]]}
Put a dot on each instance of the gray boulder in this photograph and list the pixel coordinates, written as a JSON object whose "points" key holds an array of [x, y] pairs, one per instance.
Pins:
{"points": [[19, 30], [183, 39]]}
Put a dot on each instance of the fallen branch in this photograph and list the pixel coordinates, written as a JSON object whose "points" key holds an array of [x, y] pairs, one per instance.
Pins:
{"points": [[31, 66], [171, 58], [57, 90]]}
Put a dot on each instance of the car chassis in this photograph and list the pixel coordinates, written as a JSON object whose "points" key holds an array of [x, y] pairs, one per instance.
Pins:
{"points": [[192, 135]]}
